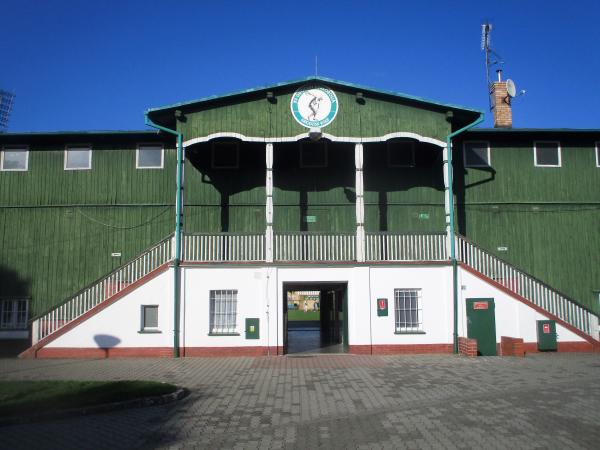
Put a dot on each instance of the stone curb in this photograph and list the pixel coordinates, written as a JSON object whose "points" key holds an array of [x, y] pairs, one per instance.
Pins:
{"points": [[96, 409]]}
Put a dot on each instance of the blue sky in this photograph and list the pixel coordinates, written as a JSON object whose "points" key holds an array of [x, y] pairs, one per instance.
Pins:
{"points": [[90, 65]]}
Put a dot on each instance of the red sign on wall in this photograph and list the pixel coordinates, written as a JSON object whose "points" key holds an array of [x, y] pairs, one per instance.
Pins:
{"points": [[546, 328], [480, 305]]}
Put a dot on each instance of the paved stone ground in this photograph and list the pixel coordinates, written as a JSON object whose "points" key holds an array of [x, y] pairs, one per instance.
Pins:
{"points": [[333, 401]]}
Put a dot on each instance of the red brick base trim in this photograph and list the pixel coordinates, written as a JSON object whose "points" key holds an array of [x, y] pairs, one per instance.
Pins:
{"points": [[393, 349], [230, 351], [511, 347], [95, 353], [467, 347], [583, 347]]}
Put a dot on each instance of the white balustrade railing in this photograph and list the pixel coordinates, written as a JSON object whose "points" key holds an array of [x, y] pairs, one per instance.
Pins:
{"points": [[307, 246], [527, 287], [101, 290], [405, 247], [223, 247]]}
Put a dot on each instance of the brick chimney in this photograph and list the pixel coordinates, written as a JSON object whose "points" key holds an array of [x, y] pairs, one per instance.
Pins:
{"points": [[501, 103]]}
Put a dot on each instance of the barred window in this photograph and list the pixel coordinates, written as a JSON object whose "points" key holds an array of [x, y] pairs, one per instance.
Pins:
{"points": [[223, 311], [409, 311], [13, 314]]}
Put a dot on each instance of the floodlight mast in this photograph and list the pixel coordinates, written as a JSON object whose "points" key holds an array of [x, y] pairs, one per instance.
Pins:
{"points": [[6, 103]]}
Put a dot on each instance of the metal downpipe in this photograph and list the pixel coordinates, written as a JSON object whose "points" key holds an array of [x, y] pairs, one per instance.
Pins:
{"points": [[178, 227], [452, 236]]}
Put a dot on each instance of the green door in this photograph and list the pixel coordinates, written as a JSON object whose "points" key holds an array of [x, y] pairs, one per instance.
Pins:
{"points": [[481, 324]]}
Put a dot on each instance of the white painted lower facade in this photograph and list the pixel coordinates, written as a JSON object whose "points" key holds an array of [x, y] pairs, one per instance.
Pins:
{"points": [[260, 294]]}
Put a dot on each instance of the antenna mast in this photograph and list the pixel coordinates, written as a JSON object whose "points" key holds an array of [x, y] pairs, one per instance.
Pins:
{"points": [[486, 46]]}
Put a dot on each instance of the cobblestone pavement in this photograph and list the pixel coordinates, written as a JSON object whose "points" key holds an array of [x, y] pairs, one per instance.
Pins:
{"points": [[333, 401]]}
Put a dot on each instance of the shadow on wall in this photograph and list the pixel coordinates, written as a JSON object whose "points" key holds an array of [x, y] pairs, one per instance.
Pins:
{"points": [[106, 342], [12, 287], [227, 181]]}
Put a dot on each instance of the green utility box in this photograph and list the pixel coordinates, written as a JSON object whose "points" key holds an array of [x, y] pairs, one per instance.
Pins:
{"points": [[546, 334], [252, 329]]}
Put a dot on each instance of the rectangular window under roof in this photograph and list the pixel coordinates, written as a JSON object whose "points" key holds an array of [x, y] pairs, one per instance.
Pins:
{"points": [[477, 154], [547, 154], [14, 158]]}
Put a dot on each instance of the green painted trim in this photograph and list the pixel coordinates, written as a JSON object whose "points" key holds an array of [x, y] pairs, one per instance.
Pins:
{"points": [[306, 80], [150, 332]]}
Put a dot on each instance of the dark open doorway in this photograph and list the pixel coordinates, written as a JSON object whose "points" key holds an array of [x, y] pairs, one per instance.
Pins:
{"points": [[315, 318]]}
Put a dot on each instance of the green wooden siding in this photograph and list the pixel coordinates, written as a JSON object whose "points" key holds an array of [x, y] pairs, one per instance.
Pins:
{"points": [[404, 199], [255, 116], [320, 199], [58, 228], [50, 253], [547, 218]]}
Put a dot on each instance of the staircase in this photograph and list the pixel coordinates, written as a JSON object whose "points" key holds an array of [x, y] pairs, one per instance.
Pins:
{"points": [[101, 290], [493, 268], [527, 287]]}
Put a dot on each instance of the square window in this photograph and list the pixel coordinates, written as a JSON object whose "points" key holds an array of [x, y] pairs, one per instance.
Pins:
{"points": [[225, 155], [149, 317], [13, 314], [401, 154], [313, 154], [477, 154], [78, 157], [223, 311], [14, 158], [149, 156], [547, 154], [409, 311]]}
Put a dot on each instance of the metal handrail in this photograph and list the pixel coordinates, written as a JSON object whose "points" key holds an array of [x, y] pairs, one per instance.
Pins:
{"points": [[527, 286], [101, 290]]}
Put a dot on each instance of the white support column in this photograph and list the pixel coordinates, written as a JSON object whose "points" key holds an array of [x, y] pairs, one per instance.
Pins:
{"points": [[447, 198], [360, 204], [269, 204]]}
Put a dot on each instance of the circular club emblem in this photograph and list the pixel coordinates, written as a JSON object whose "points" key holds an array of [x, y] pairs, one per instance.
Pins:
{"points": [[314, 106]]}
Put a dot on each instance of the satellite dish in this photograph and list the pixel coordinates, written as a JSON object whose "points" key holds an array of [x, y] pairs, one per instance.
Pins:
{"points": [[511, 88]]}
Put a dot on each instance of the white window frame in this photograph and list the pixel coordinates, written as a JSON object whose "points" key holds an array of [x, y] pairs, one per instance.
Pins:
{"points": [[412, 328], [14, 309], [10, 148], [314, 166], [220, 323], [143, 326], [597, 153], [535, 163], [213, 148], [412, 150], [489, 154], [149, 144], [79, 146]]}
